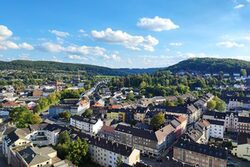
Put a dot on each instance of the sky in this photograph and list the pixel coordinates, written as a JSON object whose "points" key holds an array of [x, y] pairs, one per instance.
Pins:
{"points": [[118, 33]]}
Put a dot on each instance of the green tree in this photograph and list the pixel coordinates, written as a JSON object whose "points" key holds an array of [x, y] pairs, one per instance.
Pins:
{"points": [[143, 85], [77, 151], [36, 119], [130, 96], [87, 113], [220, 105], [157, 121], [243, 72], [66, 115], [64, 138], [118, 162], [211, 104]]}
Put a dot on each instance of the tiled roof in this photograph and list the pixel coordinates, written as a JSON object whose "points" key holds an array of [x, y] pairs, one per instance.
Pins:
{"points": [[202, 149]]}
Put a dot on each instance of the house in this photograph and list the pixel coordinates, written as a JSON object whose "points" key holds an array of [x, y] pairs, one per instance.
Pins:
{"points": [[243, 124], [180, 124], [147, 141], [140, 113], [190, 111], [194, 154], [199, 132], [242, 150], [90, 125], [217, 129], [106, 152], [116, 114], [33, 156]]}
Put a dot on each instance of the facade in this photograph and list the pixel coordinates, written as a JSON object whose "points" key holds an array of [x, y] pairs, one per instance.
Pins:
{"points": [[147, 141], [243, 146], [117, 115], [106, 153], [217, 129], [244, 125], [201, 155], [86, 124]]}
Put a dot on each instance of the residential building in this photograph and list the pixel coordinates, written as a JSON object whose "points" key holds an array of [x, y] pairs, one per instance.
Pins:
{"points": [[201, 155], [147, 141], [90, 125], [106, 153], [217, 129], [244, 124], [242, 150]]}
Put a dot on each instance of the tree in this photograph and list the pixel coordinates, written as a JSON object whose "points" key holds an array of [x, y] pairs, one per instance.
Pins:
{"points": [[87, 113], [243, 72], [64, 138], [157, 121], [220, 106], [118, 162], [211, 104], [77, 151], [66, 115], [130, 96], [62, 150], [143, 84], [36, 119]]}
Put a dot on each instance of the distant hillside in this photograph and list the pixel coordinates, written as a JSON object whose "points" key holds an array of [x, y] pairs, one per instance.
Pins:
{"points": [[50, 66], [210, 65]]}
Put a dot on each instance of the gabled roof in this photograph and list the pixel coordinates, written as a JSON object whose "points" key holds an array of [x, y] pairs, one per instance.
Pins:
{"points": [[202, 149], [147, 134]]}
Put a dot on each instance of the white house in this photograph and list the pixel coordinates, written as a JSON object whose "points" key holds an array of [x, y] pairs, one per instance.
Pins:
{"points": [[86, 124], [216, 129]]}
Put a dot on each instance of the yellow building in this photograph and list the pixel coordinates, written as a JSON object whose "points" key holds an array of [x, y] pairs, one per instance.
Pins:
{"points": [[243, 146], [120, 116]]}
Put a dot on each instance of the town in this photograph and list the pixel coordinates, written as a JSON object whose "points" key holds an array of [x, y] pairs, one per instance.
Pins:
{"points": [[60, 124]]}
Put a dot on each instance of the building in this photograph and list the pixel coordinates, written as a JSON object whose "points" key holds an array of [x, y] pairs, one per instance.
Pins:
{"points": [[242, 150], [201, 155], [216, 129], [33, 156], [199, 133], [190, 111], [106, 153], [90, 125], [140, 113], [244, 124], [116, 114], [147, 141]]}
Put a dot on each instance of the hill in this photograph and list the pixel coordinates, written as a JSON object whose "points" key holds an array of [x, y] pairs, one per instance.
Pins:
{"points": [[210, 65], [50, 66]]}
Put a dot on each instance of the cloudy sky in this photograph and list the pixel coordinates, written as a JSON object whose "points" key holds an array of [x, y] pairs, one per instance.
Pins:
{"points": [[118, 33]]}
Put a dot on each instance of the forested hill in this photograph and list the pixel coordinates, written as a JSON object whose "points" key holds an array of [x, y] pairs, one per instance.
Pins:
{"points": [[210, 65], [50, 66]]}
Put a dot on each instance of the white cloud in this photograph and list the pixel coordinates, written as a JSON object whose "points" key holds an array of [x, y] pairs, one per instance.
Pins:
{"points": [[74, 57], [25, 45], [230, 44], [5, 44], [76, 52], [133, 42], [175, 44], [239, 6], [4, 32], [156, 24], [60, 34]]}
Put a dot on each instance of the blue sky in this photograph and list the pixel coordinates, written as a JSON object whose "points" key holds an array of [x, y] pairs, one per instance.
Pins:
{"points": [[117, 33]]}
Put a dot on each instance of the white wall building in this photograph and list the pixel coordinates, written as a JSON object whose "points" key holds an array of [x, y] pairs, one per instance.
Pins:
{"points": [[86, 124], [216, 129]]}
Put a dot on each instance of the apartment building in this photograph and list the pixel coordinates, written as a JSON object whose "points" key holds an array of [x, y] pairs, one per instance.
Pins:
{"points": [[216, 129], [147, 141], [106, 153], [201, 155], [90, 125], [242, 150], [244, 124]]}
